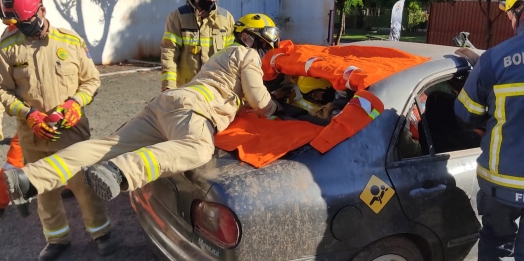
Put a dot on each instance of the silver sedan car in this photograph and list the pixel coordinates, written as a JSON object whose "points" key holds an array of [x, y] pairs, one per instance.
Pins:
{"points": [[383, 194]]}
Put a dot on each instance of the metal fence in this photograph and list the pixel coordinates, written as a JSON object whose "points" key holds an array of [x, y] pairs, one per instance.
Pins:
{"points": [[446, 20]]}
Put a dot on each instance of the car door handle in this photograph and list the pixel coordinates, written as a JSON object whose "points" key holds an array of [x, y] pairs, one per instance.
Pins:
{"points": [[425, 191]]}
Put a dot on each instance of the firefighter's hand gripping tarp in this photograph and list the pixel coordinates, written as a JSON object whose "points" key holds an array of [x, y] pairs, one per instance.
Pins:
{"points": [[261, 141]]}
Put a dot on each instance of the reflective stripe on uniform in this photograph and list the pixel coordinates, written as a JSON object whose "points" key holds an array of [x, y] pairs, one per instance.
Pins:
{"points": [[501, 179], [229, 40], [150, 162], [15, 108], [502, 91], [366, 105], [273, 117], [304, 105], [173, 38], [12, 41], [208, 95], [470, 105], [169, 76], [96, 229], [60, 167], [56, 35], [86, 98], [56, 233]]}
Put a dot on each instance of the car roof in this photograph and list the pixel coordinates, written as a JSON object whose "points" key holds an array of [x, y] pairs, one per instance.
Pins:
{"points": [[395, 90]]}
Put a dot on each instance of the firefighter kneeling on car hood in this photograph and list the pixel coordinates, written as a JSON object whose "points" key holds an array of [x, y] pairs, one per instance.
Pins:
{"points": [[174, 132]]}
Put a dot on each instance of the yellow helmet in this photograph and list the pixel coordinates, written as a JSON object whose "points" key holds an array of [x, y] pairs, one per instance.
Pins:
{"points": [[260, 25], [507, 5], [307, 84]]}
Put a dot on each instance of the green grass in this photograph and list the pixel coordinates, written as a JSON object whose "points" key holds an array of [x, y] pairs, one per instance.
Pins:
{"points": [[360, 35]]}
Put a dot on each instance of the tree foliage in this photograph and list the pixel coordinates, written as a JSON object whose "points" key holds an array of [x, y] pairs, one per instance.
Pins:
{"points": [[344, 7]]}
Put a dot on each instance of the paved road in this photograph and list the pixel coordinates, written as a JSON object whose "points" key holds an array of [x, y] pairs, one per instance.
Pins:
{"points": [[119, 98]]}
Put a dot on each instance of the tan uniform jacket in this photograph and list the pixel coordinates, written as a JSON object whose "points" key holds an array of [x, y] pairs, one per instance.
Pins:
{"points": [[229, 78], [189, 41], [43, 74]]}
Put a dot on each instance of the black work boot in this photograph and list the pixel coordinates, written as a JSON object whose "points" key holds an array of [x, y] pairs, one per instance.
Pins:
{"points": [[105, 244], [105, 178], [52, 251], [20, 189]]}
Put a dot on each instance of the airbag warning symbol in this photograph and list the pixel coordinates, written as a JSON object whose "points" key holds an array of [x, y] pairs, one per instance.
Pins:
{"points": [[376, 194]]}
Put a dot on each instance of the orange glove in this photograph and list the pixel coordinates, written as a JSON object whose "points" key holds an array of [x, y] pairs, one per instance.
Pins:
{"points": [[36, 121], [72, 113]]}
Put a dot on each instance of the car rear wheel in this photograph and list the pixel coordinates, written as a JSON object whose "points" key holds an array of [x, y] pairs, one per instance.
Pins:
{"points": [[390, 249]]}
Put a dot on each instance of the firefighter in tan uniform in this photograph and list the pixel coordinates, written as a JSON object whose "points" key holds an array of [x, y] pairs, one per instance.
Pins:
{"points": [[45, 70], [193, 33], [174, 133]]}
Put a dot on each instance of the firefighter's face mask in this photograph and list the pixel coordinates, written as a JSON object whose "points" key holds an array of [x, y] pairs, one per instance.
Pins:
{"points": [[206, 5], [32, 27]]}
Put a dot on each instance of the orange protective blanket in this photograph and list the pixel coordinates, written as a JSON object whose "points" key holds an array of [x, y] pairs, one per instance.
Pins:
{"points": [[261, 141], [350, 66]]}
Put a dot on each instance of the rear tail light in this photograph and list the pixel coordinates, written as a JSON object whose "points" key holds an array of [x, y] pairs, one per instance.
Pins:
{"points": [[216, 223]]}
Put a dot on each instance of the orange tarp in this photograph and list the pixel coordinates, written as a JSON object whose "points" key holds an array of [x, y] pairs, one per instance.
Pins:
{"points": [[261, 141], [361, 65], [361, 110]]}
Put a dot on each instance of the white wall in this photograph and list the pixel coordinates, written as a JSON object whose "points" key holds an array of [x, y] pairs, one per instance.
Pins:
{"points": [[120, 29], [310, 20]]}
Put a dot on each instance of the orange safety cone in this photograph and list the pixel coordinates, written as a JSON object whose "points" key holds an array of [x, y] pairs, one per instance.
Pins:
{"points": [[14, 160]]}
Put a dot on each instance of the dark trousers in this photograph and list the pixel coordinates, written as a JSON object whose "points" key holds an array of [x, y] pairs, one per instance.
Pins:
{"points": [[500, 235]]}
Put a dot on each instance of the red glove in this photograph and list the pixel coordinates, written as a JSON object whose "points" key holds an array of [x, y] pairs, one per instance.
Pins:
{"points": [[36, 121], [72, 113]]}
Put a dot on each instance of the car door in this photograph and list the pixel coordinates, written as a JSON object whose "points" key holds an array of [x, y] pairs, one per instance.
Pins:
{"points": [[436, 190]]}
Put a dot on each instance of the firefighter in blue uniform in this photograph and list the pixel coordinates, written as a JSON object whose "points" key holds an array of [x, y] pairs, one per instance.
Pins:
{"points": [[494, 94]]}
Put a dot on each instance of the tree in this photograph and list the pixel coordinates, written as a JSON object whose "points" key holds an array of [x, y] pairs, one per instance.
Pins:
{"points": [[344, 7], [489, 22]]}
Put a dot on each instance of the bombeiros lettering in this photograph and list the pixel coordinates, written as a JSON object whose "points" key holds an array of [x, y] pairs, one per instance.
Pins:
{"points": [[515, 59]]}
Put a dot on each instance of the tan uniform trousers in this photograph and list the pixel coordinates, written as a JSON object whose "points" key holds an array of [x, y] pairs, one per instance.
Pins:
{"points": [[164, 139], [52, 213]]}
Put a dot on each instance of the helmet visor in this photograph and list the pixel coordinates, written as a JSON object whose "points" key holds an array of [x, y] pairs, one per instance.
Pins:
{"points": [[270, 34]]}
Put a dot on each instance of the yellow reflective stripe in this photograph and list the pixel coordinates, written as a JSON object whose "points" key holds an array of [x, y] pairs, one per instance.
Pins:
{"points": [[373, 114], [501, 179], [173, 38], [470, 105], [169, 76], [56, 35], [150, 162], [304, 105], [229, 40], [272, 117], [86, 98], [204, 91], [204, 41], [502, 91], [96, 229], [15, 108], [56, 233], [12, 41], [60, 167]]}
